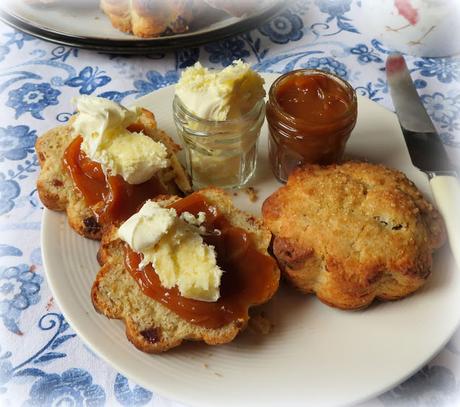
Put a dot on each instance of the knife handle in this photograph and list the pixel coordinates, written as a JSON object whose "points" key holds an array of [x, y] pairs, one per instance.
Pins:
{"points": [[446, 191]]}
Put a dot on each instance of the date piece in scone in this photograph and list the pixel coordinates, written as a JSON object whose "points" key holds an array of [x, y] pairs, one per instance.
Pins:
{"points": [[58, 191], [352, 233], [159, 318]]}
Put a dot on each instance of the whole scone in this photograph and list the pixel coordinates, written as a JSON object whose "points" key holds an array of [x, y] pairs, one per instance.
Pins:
{"points": [[352, 233]]}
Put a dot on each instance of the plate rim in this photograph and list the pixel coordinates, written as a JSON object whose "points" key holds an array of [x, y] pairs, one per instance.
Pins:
{"points": [[97, 349], [128, 372], [140, 45]]}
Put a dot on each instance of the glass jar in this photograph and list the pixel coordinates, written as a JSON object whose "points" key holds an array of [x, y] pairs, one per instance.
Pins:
{"points": [[310, 115], [219, 153]]}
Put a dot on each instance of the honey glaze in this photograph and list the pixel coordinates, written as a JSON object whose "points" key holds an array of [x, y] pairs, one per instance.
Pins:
{"points": [[249, 277], [119, 199]]}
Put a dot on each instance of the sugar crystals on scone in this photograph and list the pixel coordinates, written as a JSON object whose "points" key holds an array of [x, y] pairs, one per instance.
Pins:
{"points": [[105, 163], [352, 233]]}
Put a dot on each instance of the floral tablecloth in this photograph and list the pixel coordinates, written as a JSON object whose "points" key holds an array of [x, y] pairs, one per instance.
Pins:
{"points": [[42, 361]]}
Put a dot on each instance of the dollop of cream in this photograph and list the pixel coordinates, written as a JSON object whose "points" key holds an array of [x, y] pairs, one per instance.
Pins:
{"points": [[220, 95], [145, 228], [176, 250], [103, 125]]}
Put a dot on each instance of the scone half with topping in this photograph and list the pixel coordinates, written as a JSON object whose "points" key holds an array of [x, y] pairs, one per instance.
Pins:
{"points": [[185, 269], [105, 163], [352, 233]]}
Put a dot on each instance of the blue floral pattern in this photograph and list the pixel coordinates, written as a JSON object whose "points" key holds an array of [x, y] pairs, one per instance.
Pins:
{"points": [[88, 80], [16, 142], [283, 28], [365, 55], [74, 387], [37, 82], [187, 57], [226, 51], [445, 111], [445, 70], [155, 80], [4, 50], [9, 190], [19, 289], [14, 38], [33, 98], [441, 108], [327, 64], [17, 38], [336, 9], [126, 396]]}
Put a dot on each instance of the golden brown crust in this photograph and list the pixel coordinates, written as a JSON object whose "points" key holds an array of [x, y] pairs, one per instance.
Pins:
{"points": [[146, 18], [56, 188], [353, 232], [150, 326]]}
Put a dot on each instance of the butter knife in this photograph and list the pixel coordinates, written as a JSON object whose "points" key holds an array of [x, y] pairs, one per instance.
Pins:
{"points": [[425, 147]]}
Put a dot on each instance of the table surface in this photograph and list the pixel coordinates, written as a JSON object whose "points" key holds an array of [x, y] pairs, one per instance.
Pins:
{"points": [[42, 361]]}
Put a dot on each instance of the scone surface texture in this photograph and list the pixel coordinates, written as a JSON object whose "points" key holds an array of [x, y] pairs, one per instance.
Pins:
{"points": [[150, 325], [353, 232]]}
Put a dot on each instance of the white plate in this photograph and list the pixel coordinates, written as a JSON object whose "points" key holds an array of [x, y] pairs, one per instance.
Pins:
{"points": [[315, 355], [82, 23]]}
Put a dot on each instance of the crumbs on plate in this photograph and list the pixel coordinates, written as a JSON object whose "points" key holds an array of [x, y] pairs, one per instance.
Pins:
{"points": [[251, 192]]}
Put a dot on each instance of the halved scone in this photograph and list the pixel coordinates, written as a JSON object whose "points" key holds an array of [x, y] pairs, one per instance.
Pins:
{"points": [[152, 323], [57, 189], [352, 233]]}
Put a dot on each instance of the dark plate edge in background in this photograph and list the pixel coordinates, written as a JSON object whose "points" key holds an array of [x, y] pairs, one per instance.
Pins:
{"points": [[140, 46]]}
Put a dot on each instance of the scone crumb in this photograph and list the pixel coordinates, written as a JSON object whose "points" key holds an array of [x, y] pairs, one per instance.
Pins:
{"points": [[251, 192], [260, 324], [49, 304]]}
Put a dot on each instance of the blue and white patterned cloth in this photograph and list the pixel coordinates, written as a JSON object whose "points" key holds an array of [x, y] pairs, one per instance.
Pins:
{"points": [[42, 361]]}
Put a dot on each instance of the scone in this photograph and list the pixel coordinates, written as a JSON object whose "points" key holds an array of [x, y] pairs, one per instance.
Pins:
{"points": [[250, 277], [352, 233], [149, 18], [57, 189], [154, 18]]}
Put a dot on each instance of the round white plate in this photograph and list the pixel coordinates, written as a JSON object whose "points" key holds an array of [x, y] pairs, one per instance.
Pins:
{"points": [[82, 23], [315, 355]]}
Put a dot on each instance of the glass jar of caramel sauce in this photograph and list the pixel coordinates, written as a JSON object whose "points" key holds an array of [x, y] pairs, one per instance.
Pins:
{"points": [[310, 115]]}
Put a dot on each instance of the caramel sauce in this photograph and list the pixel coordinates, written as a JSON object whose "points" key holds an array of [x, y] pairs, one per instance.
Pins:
{"points": [[313, 97], [310, 116], [120, 199], [249, 277]]}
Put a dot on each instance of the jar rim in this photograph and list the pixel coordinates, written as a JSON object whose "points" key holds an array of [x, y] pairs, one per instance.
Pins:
{"points": [[255, 111], [306, 71]]}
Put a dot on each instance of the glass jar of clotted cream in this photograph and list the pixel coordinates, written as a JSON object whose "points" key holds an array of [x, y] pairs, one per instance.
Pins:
{"points": [[220, 153], [310, 115]]}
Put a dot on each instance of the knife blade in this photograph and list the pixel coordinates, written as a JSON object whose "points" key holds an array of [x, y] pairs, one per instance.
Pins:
{"points": [[426, 150], [425, 147]]}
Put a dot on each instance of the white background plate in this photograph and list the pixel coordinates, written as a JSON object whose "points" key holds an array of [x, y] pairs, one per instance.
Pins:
{"points": [[315, 355]]}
